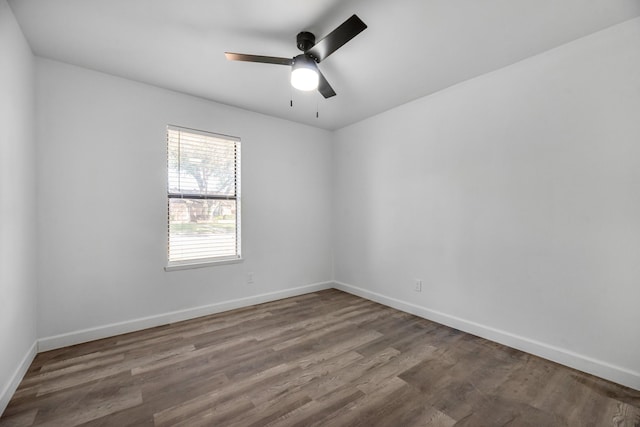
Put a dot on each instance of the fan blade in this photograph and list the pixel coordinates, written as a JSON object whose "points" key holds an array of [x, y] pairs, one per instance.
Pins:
{"points": [[324, 87], [337, 38], [258, 58]]}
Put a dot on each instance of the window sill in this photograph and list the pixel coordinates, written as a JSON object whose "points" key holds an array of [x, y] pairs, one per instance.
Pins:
{"points": [[201, 264]]}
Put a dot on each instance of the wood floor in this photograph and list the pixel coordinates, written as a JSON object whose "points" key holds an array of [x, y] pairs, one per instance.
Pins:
{"points": [[326, 359]]}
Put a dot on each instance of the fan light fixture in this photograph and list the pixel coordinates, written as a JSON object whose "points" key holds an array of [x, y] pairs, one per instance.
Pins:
{"points": [[304, 73]]}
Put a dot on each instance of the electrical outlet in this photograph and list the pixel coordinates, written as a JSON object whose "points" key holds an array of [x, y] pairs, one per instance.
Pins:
{"points": [[418, 287], [249, 278]]}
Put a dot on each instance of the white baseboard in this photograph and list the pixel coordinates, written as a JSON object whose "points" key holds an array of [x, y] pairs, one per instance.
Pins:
{"points": [[11, 387], [562, 356], [565, 357], [86, 335]]}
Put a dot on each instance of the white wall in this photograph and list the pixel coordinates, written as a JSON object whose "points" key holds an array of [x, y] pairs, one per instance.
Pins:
{"points": [[515, 197], [102, 192], [17, 206]]}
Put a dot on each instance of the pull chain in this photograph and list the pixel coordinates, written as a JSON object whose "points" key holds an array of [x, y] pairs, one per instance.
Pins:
{"points": [[317, 104]]}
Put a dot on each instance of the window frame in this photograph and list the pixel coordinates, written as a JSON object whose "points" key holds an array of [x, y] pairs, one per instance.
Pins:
{"points": [[210, 261]]}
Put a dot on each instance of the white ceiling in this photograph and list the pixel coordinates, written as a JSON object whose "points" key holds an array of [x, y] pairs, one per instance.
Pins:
{"points": [[412, 48]]}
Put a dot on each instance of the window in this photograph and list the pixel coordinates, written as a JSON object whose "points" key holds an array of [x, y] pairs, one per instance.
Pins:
{"points": [[203, 197]]}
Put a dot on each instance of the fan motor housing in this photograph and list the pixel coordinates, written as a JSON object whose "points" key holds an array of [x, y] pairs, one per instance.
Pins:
{"points": [[305, 40]]}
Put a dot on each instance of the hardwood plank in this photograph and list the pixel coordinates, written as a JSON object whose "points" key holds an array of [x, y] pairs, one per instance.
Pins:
{"points": [[362, 411], [353, 372], [315, 409], [91, 375], [221, 394], [90, 407], [25, 418], [220, 414]]}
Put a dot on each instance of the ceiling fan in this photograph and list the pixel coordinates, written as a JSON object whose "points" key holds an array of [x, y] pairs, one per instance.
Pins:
{"points": [[305, 74]]}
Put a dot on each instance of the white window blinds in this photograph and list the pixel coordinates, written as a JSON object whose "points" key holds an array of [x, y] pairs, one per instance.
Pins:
{"points": [[203, 196]]}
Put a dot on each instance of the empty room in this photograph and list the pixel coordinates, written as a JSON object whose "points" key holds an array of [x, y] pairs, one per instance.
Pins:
{"points": [[323, 213]]}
